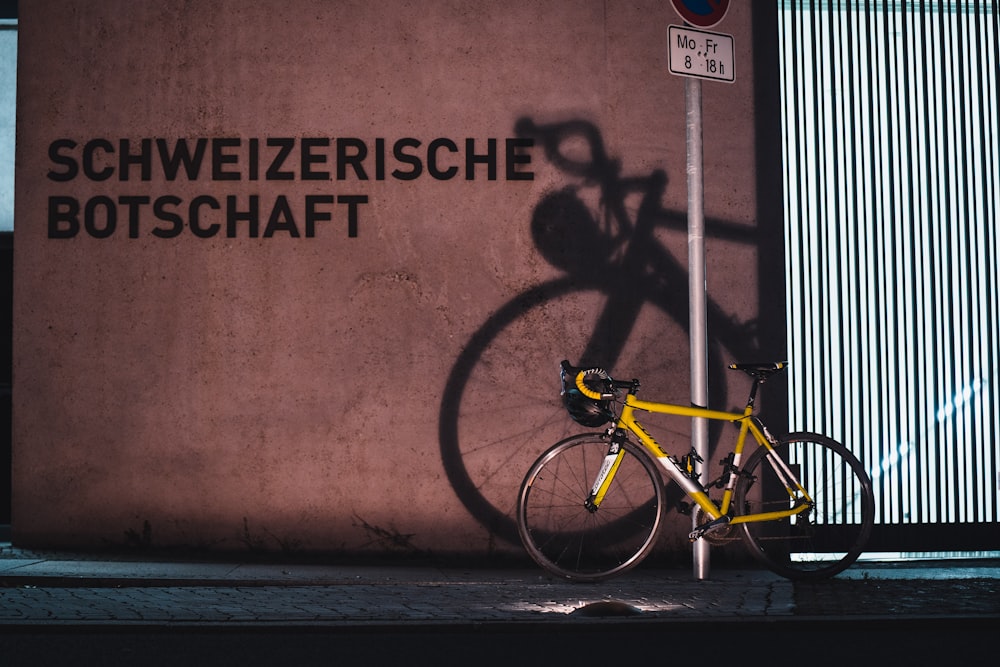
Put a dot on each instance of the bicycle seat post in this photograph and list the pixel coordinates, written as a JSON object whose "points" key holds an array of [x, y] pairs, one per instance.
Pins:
{"points": [[757, 382], [760, 373]]}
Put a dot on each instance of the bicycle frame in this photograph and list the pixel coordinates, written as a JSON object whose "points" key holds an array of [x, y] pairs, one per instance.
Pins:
{"points": [[798, 496], [794, 533]]}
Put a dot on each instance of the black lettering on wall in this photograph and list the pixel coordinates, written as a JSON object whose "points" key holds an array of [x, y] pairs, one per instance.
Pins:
{"points": [[309, 158], [275, 171], [234, 159], [181, 157], [143, 158], [253, 146], [352, 202], [98, 217], [90, 150], [380, 159], [281, 219], [56, 157], [432, 159], [313, 216], [90, 221], [251, 216], [64, 217], [161, 213], [133, 204], [194, 217], [407, 158], [220, 158], [472, 159], [351, 152], [518, 155]]}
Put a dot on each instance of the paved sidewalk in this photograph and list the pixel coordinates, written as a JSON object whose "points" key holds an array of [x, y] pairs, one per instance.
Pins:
{"points": [[57, 589], [89, 592], [73, 609]]}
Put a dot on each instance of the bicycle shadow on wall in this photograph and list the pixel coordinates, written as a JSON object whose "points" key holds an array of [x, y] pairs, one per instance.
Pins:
{"points": [[621, 304]]}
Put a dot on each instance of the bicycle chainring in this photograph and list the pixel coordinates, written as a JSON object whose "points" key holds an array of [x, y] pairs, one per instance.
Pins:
{"points": [[720, 535]]}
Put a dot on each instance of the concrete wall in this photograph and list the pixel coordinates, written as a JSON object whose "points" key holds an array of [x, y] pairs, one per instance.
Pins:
{"points": [[341, 331]]}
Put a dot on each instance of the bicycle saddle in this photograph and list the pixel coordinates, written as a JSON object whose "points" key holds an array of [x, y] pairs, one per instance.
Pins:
{"points": [[760, 370]]}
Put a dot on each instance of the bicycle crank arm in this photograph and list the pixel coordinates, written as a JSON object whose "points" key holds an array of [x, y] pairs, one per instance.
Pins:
{"points": [[709, 527]]}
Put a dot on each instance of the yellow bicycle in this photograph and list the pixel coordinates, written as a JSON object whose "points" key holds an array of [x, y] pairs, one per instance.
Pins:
{"points": [[592, 505]]}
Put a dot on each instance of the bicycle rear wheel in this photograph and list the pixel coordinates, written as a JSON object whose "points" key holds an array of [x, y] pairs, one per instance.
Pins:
{"points": [[566, 538], [819, 542]]}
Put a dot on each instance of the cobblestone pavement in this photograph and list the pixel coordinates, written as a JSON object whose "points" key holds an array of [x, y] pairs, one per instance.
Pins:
{"points": [[403, 596], [59, 589], [892, 598], [65, 609]]}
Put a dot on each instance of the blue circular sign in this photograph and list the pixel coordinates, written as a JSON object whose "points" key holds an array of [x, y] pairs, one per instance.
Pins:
{"points": [[701, 13]]}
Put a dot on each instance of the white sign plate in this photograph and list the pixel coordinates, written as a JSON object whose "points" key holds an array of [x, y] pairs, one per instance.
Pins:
{"points": [[700, 54]]}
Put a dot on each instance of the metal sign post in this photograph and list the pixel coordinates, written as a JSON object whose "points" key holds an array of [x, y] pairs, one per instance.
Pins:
{"points": [[696, 55], [697, 294]]}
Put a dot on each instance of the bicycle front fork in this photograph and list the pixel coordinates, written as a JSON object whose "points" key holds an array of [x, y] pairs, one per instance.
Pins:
{"points": [[613, 459]]}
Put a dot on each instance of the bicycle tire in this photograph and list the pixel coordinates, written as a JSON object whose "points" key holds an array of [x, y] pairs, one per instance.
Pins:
{"points": [[824, 540], [569, 540]]}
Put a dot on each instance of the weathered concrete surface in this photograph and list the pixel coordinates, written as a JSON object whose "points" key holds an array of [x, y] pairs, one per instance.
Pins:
{"points": [[282, 388]]}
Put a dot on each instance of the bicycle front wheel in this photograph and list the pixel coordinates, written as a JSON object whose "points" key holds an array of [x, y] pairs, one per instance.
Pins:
{"points": [[823, 540], [569, 540]]}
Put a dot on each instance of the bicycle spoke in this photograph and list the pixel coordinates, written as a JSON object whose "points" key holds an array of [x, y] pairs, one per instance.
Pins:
{"points": [[827, 537], [568, 539]]}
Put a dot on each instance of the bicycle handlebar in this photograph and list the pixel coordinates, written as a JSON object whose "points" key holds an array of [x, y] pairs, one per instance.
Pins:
{"points": [[579, 374]]}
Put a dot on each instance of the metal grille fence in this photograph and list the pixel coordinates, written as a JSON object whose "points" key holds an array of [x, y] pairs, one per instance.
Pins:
{"points": [[892, 182]]}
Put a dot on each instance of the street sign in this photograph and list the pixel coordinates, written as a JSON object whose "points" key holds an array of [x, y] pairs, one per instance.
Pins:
{"points": [[701, 13], [701, 54]]}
